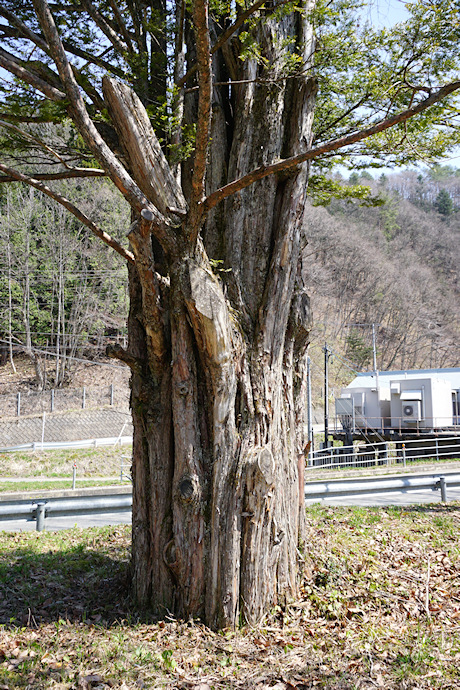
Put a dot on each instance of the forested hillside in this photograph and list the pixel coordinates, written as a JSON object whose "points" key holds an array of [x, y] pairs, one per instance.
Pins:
{"points": [[395, 266], [61, 291]]}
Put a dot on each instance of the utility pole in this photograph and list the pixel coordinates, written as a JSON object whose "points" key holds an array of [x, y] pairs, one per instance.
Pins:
{"points": [[309, 406], [327, 354]]}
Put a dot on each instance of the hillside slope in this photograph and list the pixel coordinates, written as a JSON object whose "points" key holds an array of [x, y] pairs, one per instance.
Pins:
{"points": [[395, 266]]}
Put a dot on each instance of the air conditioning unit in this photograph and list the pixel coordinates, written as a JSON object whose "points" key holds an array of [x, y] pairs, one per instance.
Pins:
{"points": [[411, 411]]}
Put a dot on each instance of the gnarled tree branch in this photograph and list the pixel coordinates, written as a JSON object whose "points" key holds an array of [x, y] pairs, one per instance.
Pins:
{"points": [[106, 238], [11, 64], [64, 175], [87, 129], [331, 146], [105, 27]]}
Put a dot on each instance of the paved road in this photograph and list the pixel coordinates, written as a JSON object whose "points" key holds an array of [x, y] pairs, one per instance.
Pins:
{"points": [[53, 524], [400, 498]]}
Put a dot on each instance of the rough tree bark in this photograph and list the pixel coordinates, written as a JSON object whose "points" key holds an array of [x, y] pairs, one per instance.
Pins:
{"points": [[219, 316], [217, 349]]}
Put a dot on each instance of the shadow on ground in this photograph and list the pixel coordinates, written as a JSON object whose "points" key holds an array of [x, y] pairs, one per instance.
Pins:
{"points": [[74, 582]]}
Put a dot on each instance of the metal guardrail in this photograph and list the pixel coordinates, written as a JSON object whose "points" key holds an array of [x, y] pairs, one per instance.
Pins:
{"points": [[41, 508], [385, 453], [373, 485]]}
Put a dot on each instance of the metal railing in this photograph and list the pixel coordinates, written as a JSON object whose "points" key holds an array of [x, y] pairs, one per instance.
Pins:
{"points": [[126, 463], [41, 508], [344, 488], [385, 453]]}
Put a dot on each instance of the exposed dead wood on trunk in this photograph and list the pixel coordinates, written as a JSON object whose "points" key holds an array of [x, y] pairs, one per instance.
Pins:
{"points": [[147, 161], [153, 311]]}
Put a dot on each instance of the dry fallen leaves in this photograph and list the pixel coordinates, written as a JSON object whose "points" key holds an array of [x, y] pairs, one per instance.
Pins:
{"points": [[373, 614]]}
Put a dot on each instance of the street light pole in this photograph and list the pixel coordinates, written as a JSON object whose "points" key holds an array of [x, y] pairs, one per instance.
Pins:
{"points": [[327, 354]]}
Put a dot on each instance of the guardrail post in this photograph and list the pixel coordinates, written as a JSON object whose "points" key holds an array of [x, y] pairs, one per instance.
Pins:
{"points": [[443, 487], [437, 450], [40, 515], [74, 474]]}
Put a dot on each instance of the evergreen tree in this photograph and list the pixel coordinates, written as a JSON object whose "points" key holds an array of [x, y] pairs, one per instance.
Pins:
{"points": [[443, 203], [207, 119]]}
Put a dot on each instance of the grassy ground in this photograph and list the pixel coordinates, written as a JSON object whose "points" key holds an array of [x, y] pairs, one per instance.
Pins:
{"points": [[378, 606], [56, 466], [8, 487], [95, 463]]}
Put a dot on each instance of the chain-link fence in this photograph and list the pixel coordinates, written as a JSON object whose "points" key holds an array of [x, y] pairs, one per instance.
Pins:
{"points": [[61, 399], [49, 429]]}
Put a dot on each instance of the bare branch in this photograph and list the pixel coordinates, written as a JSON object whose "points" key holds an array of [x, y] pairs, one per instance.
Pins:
{"points": [[105, 27], [115, 351], [64, 175], [41, 143], [93, 59], [331, 146], [23, 29], [121, 24], [203, 52], [343, 116], [11, 64], [107, 239]]}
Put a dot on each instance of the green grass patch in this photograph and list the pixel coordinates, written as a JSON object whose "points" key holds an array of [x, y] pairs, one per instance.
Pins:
{"points": [[90, 462], [53, 484], [378, 606]]}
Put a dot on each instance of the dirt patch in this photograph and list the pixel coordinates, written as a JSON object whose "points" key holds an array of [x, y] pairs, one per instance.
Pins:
{"points": [[101, 372]]}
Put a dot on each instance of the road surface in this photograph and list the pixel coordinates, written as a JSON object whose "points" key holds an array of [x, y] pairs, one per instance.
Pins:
{"points": [[53, 524], [394, 498]]}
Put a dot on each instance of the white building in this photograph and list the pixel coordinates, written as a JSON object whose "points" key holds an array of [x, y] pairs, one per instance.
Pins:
{"points": [[421, 399]]}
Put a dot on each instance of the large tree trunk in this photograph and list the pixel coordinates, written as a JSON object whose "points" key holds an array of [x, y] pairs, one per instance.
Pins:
{"points": [[218, 335]]}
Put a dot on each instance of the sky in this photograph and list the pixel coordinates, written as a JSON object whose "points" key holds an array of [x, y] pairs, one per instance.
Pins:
{"points": [[388, 13]]}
